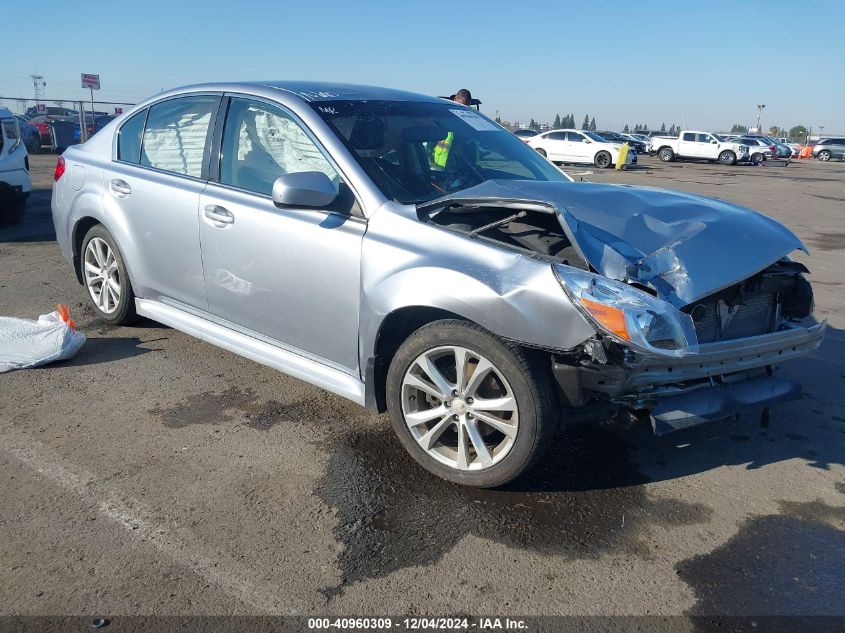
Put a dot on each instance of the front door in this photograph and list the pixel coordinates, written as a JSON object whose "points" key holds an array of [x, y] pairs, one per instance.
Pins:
{"points": [[288, 275], [579, 148]]}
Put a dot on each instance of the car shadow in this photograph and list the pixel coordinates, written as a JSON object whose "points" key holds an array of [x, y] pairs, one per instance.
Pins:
{"points": [[97, 351], [36, 224]]}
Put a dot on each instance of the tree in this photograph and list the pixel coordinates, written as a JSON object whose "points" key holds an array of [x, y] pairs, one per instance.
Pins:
{"points": [[798, 133], [593, 124], [556, 124], [774, 131], [739, 129], [645, 127], [572, 120], [662, 127], [533, 124], [625, 129], [586, 124]]}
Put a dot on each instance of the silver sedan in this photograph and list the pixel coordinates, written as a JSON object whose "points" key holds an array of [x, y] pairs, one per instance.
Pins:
{"points": [[411, 255]]}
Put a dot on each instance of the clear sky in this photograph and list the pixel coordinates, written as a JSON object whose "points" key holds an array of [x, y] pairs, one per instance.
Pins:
{"points": [[705, 64]]}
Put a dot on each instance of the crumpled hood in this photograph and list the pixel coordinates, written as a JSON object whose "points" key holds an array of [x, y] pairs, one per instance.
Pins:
{"points": [[683, 245]]}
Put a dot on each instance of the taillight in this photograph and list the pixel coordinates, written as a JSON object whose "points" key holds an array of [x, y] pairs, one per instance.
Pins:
{"points": [[772, 149], [60, 169]]}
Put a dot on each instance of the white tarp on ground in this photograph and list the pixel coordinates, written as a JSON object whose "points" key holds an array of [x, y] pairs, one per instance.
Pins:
{"points": [[27, 343]]}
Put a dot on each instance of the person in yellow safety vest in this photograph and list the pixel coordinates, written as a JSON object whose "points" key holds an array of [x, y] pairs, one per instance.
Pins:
{"points": [[441, 150]]}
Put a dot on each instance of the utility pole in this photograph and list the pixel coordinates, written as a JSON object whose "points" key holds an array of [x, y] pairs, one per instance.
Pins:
{"points": [[760, 108], [821, 129]]}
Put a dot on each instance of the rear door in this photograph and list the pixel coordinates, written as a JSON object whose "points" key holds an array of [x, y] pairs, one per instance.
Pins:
{"points": [[555, 144], [290, 275], [153, 186], [688, 145]]}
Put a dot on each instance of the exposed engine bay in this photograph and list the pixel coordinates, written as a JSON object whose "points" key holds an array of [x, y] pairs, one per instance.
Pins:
{"points": [[537, 229]]}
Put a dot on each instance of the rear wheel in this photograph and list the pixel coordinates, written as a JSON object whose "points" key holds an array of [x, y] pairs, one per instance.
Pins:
{"points": [[727, 157], [105, 277], [541, 152], [824, 155], [756, 159], [468, 406], [603, 160], [666, 154]]}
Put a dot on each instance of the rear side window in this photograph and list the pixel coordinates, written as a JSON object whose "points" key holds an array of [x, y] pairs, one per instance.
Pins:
{"points": [[129, 138], [557, 136], [176, 134], [689, 136]]}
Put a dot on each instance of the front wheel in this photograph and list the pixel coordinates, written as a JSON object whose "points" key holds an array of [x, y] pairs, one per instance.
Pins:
{"points": [[824, 155], [105, 277], [727, 157], [603, 160], [468, 406], [666, 154]]}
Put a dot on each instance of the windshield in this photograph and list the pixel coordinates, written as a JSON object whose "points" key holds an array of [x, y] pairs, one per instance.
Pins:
{"points": [[418, 151], [717, 137], [594, 136]]}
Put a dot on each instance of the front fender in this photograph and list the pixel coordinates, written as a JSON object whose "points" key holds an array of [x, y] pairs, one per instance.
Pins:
{"points": [[513, 295]]}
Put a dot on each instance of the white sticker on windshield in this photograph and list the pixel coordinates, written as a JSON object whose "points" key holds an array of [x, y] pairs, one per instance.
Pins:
{"points": [[477, 122]]}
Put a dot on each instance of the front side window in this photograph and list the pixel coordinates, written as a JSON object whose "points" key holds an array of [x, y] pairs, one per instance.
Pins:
{"points": [[260, 143], [704, 138], [129, 138], [176, 134], [416, 151], [574, 137]]}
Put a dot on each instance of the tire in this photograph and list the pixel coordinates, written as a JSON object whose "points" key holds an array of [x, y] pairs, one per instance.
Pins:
{"points": [[727, 157], [513, 377], [541, 152], [666, 154], [12, 210], [100, 251], [603, 160], [824, 155], [756, 159]]}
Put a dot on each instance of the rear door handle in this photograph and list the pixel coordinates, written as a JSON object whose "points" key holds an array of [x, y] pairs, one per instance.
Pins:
{"points": [[121, 188], [219, 214]]}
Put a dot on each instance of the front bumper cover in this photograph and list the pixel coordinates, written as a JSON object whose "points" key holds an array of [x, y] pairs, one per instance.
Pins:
{"points": [[723, 378]]}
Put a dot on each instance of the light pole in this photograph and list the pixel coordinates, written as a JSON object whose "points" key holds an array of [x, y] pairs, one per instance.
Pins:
{"points": [[760, 108], [821, 129]]}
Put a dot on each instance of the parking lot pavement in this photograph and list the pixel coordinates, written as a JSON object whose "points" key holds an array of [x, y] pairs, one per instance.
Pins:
{"points": [[154, 473]]}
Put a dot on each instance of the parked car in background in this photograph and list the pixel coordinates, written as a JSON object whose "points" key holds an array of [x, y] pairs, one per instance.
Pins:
{"points": [[42, 123], [478, 294], [525, 134], [15, 182], [759, 150], [616, 137], [828, 148], [102, 121], [57, 111], [30, 134], [579, 146], [699, 145]]}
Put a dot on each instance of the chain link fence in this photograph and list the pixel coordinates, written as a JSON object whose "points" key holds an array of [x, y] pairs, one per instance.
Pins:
{"points": [[51, 125]]}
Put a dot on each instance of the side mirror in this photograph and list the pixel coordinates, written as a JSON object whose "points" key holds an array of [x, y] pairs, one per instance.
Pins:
{"points": [[714, 141], [304, 189], [586, 140]]}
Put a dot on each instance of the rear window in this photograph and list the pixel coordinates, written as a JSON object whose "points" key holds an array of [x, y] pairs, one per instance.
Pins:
{"points": [[176, 134], [129, 138]]}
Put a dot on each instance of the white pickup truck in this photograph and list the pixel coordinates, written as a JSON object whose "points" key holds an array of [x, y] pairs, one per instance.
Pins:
{"points": [[699, 145]]}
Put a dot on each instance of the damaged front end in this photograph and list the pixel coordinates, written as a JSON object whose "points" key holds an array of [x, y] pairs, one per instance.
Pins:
{"points": [[694, 300], [724, 366]]}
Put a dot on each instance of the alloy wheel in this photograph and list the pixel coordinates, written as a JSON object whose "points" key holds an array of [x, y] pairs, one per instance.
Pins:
{"points": [[459, 408], [102, 275]]}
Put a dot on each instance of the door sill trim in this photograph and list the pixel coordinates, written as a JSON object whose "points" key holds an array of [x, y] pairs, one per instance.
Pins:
{"points": [[310, 371]]}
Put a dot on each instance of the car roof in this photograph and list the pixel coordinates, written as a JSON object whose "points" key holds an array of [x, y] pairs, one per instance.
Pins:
{"points": [[316, 91]]}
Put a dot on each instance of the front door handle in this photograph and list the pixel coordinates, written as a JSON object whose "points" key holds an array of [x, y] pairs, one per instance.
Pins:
{"points": [[121, 188], [218, 214]]}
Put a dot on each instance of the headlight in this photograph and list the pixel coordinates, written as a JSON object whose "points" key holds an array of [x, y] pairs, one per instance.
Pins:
{"points": [[628, 315]]}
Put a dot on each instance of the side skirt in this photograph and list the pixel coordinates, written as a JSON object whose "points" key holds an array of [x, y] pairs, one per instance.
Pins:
{"points": [[310, 371]]}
